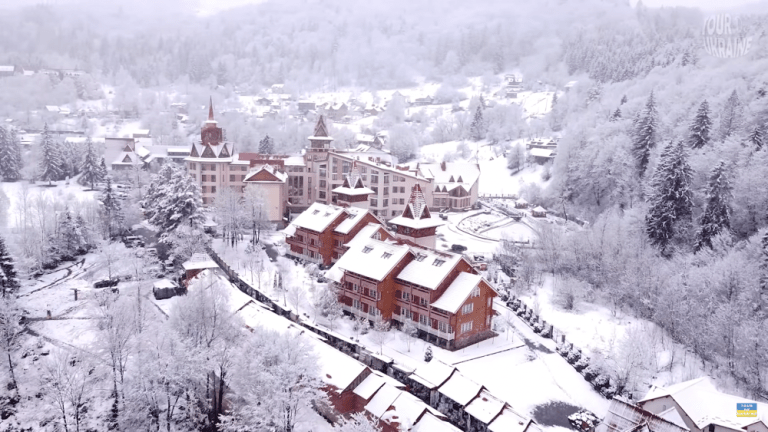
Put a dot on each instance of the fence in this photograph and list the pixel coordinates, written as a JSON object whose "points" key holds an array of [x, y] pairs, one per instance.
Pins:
{"points": [[573, 355], [341, 343]]}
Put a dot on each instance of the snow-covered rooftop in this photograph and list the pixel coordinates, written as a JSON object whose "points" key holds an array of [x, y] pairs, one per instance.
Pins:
{"points": [[460, 389], [382, 400], [294, 161], [433, 374], [485, 407], [455, 172], [199, 261], [164, 283], [429, 222], [354, 216], [370, 385], [430, 423], [539, 152], [337, 369], [317, 217], [405, 410], [509, 421], [374, 259], [429, 268], [458, 291], [705, 405], [279, 175]]}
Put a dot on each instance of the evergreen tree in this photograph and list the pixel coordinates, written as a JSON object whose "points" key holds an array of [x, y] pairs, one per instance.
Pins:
{"points": [[8, 278], [102, 170], [266, 145], [10, 156], [70, 158], [732, 116], [51, 163], [428, 354], [623, 100], [698, 135], [616, 116], [111, 210], [757, 137], [173, 198], [671, 201], [477, 129], [717, 213], [646, 129], [90, 167], [69, 241]]}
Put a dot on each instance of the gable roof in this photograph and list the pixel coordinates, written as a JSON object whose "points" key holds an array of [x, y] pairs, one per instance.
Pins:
{"points": [[458, 292], [354, 216], [318, 216], [460, 389], [374, 259], [416, 213], [510, 421], [424, 271], [485, 407], [469, 172], [432, 374], [704, 404], [430, 423], [269, 174]]}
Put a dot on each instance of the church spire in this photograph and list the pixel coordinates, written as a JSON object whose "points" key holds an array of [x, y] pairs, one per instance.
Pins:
{"points": [[320, 129], [210, 109]]}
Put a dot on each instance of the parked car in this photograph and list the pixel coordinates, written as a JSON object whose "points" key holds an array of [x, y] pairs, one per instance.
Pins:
{"points": [[458, 248], [443, 216], [133, 241]]}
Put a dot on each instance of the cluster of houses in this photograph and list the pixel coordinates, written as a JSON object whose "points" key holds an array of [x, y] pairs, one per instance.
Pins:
{"points": [[434, 397], [542, 150], [292, 183], [690, 406], [139, 151], [392, 271], [13, 70]]}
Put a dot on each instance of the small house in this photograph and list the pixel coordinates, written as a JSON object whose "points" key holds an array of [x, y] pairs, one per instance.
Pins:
{"points": [[521, 204], [539, 212], [196, 264], [164, 289]]}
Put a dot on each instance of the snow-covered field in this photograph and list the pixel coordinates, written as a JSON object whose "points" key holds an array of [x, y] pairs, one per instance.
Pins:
{"points": [[69, 192]]}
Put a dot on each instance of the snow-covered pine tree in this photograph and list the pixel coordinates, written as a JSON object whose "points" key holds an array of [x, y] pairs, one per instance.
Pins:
{"points": [[70, 159], [51, 162], [671, 201], [616, 116], [477, 128], [732, 116], [645, 135], [10, 156], [757, 137], [266, 145], [717, 213], [102, 170], [70, 240], [179, 200], [623, 100], [428, 354], [90, 167], [698, 132], [112, 210], [9, 281]]}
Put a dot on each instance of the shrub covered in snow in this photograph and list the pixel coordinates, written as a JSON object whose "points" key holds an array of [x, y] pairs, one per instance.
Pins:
{"points": [[609, 391], [573, 356], [583, 420], [582, 364], [601, 381], [547, 331], [563, 349], [590, 372], [538, 327]]}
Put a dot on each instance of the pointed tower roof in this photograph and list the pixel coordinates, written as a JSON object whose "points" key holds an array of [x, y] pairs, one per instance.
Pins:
{"points": [[210, 112], [321, 130], [416, 213], [353, 183]]}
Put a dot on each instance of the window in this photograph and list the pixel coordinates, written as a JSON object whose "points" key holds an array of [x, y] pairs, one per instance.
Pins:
{"points": [[204, 167], [490, 299], [442, 326], [406, 296], [386, 255], [407, 314], [321, 194], [192, 165], [420, 257], [423, 301], [231, 177], [316, 212], [322, 184], [243, 168], [213, 178], [476, 292], [356, 303], [334, 176], [466, 327], [372, 293], [377, 235], [386, 178], [374, 178], [423, 320], [204, 178], [213, 189], [467, 309], [402, 201], [337, 243], [367, 249], [204, 189], [375, 190], [363, 169], [394, 212], [386, 203], [374, 202], [438, 262], [386, 190], [194, 177]]}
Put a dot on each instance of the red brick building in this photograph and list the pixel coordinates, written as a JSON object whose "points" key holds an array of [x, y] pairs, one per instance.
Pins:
{"points": [[395, 278], [319, 234]]}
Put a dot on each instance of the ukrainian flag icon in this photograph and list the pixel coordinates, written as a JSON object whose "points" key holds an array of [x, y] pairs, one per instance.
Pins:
{"points": [[746, 409]]}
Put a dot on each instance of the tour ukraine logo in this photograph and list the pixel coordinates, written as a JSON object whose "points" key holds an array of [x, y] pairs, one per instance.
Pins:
{"points": [[724, 38], [746, 409]]}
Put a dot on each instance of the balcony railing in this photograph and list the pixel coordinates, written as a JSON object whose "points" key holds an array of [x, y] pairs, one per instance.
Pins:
{"points": [[318, 260]]}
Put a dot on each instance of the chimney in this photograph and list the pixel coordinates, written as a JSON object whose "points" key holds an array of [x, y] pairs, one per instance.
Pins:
{"points": [[442, 165]]}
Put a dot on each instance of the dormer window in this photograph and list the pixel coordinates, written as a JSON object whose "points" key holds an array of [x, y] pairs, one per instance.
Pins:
{"points": [[316, 212], [438, 262], [420, 257], [367, 249], [386, 255]]}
